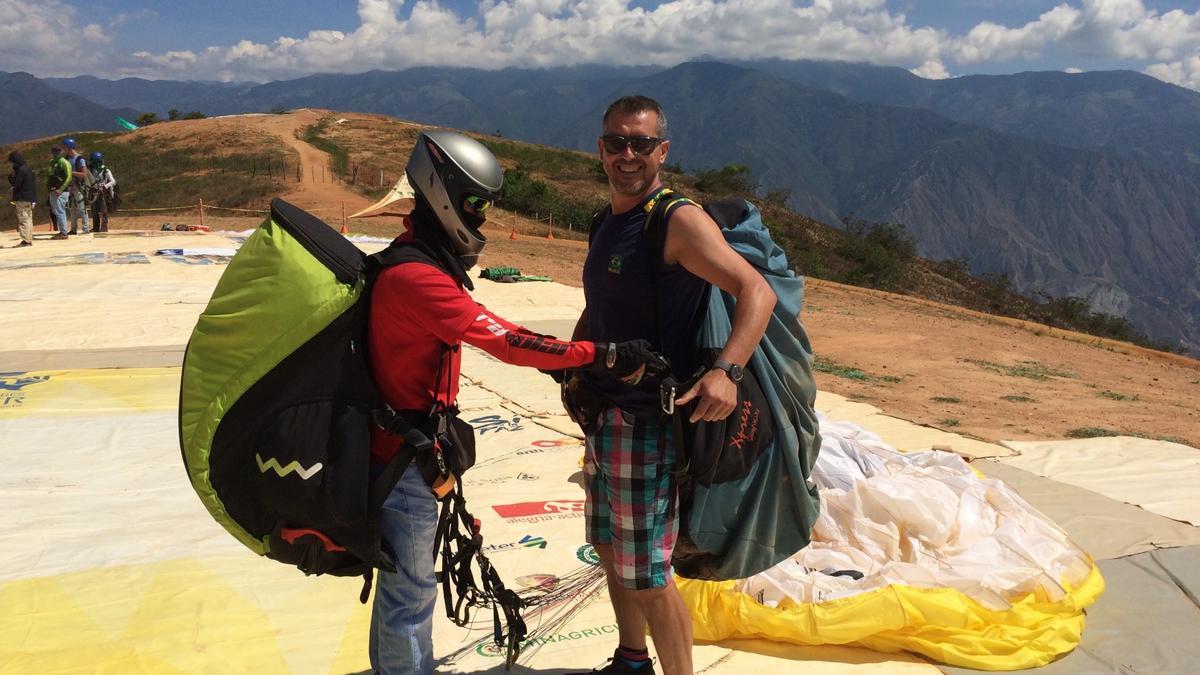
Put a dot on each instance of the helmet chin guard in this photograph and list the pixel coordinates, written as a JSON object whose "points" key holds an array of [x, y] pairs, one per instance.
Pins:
{"points": [[445, 169]]}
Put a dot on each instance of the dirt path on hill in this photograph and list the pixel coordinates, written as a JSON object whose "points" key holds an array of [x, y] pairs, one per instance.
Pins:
{"points": [[943, 366]]}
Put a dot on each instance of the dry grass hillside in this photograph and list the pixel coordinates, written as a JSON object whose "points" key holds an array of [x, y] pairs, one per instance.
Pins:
{"points": [[927, 361]]}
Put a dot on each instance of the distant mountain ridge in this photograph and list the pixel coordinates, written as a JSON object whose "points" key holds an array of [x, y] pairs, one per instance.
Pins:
{"points": [[157, 96], [996, 170], [1119, 112], [30, 108]]}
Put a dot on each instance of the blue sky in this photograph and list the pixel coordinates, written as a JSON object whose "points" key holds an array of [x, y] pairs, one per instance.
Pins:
{"points": [[271, 39]]}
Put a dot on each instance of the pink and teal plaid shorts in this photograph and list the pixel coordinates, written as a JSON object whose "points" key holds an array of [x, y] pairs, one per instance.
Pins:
{"points": [[631, 496]]}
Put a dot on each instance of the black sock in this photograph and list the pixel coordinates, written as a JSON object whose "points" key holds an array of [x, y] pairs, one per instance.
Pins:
{"points": [[634, 658]]}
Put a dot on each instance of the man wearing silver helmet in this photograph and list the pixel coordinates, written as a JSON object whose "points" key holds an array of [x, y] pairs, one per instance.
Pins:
{"points": [[421, 313]]}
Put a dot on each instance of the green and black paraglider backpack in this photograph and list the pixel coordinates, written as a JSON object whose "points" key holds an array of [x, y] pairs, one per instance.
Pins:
{"points": [[276, 400], [276, 406]]}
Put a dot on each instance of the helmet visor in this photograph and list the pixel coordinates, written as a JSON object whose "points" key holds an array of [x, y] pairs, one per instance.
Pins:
{"points": [[477, 206]]}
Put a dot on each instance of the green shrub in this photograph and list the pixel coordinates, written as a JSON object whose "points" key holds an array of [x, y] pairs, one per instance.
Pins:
{"points": [[1091, 432], [532, 197], [730, 179], [880, 253]]}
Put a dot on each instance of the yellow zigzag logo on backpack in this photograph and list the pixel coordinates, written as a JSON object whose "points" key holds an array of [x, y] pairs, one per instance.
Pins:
{"points": [[282, 471]]}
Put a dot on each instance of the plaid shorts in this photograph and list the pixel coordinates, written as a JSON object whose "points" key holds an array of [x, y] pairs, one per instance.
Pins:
{"points": [[631, 497]]}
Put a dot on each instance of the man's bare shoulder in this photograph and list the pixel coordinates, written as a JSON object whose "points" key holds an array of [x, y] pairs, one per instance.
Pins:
{"points": [[689, 226]]}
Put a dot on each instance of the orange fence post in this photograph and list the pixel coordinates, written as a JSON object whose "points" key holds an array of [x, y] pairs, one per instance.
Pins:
{"points": [[345, 230], [201, 212], [550, 232]]}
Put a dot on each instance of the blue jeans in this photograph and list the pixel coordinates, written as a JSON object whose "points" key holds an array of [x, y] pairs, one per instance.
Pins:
{"points": [[77, 208], [58, 210], [402, 616]]}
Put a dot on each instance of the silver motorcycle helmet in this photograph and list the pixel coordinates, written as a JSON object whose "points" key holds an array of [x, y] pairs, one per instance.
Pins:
{"points": [[459, 178]]}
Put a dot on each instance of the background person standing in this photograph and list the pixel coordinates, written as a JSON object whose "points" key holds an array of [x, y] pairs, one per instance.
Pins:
{"points": [[103, 185], [77, 205], [57, 179], [24, 196]]}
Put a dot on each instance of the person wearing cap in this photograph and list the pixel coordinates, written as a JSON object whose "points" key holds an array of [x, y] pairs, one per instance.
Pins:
{"points": [[80, 179], [420, 315], [58, 179], [24, 196]]}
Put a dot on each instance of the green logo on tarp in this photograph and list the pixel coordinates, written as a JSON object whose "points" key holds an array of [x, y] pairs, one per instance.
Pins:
{"points": [[489, 648], [587, 555]]}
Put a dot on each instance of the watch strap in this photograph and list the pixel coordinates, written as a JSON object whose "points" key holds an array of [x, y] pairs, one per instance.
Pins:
{"points": [[731, 369]]}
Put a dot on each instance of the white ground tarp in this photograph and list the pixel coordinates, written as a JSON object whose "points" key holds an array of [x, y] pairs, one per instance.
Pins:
{"points": [[108, 562]]}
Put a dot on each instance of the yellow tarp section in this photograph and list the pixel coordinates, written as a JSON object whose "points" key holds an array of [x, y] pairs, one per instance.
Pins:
{"points": [[192, 615], [72, 392]]}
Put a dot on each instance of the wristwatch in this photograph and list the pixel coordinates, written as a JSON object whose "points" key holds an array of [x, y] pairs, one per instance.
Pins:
{"points": [[733, 370]]}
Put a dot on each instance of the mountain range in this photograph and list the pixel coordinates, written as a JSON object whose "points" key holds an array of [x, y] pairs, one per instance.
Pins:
{"points": [[32, 108], [1084, 184]]}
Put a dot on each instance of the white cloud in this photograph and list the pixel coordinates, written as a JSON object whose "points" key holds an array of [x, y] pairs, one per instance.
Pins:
{"points": [[534, 33], [992, 42], [34, 35], [931, 70], [1185, 73], [1072, 70]]}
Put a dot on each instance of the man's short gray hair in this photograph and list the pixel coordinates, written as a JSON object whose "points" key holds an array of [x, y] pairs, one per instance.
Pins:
{"points": [[630, 105]]}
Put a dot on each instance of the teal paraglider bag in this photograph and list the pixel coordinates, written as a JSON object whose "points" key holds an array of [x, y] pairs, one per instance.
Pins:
{"points": [[748, 504]]}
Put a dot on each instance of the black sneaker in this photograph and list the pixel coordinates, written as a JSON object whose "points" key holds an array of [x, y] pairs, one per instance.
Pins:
{"points": [[60, 235], [618, 666], [25, 243]]}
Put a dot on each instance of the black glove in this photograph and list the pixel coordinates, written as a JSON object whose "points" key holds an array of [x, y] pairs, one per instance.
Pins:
{"points": [[558, 375], [624, 358]]}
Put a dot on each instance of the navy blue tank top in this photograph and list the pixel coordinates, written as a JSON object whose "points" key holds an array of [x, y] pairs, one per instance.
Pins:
{"points": [[621, 303]]}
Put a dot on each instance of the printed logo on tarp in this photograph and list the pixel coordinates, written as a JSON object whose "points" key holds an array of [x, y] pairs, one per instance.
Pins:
{"points": [[490, 649], [533, 512], [502, 479], [587, 555], [496, 423], [557, 442], [538, 447], [12, 387], [528, 541], [545, 582]]}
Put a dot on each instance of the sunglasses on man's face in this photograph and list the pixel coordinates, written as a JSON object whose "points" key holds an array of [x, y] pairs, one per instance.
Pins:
{"points": [[477, 206], [615, 144]]}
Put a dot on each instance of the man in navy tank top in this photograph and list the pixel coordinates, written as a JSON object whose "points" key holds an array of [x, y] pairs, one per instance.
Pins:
{"points": [[631, 502]]}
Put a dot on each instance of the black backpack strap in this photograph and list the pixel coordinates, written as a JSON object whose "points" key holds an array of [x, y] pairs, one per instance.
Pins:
{"points": [[415, 250], [598, 218], [654, 241]]}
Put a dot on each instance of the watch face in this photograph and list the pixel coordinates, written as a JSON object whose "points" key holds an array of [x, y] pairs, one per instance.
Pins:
{"points": [[735, 373]]}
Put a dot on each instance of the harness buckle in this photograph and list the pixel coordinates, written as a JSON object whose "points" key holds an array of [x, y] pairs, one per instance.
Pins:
{"points": [[666, 396], [384, 418]]}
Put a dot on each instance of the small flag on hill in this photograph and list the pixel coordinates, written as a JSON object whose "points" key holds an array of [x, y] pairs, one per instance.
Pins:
{"points": [[126, 124]]}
